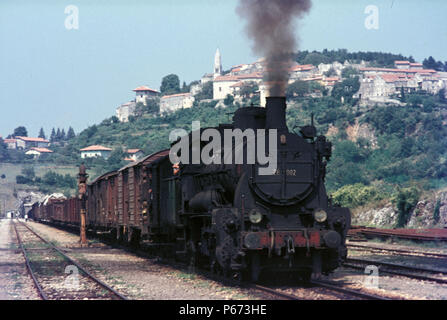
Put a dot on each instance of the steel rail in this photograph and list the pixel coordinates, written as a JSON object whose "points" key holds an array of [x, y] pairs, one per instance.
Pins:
{"points": [[348, 291], [28, 266], [351, 264], [409, 252], [275, 292], [88, 274]]}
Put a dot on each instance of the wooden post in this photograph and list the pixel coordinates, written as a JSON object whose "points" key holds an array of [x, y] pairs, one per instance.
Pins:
{"points": [[82, 187]]}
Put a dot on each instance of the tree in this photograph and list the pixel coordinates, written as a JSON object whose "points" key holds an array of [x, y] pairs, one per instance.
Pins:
{"points": [[153, 105], [185, 87], [248, 89], [29, 173], [431, 63], [4, 155], [346, 89], [20, 132], [229, 99], [41, 134], [206, 92], [70, 133], [140, 109], [63, 136], [58, 135], [53, 135], [298, 88], [170, 84], [349, 72]]}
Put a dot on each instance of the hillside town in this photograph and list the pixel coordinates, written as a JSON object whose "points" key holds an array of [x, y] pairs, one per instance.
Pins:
{"points": [[378, 86]]}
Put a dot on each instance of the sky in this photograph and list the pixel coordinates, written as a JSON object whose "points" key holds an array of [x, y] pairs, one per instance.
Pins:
{"points": [[51, 76]]}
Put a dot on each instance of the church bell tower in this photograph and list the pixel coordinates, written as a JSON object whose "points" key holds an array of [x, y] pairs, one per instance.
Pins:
{"points": [[217, 64]]}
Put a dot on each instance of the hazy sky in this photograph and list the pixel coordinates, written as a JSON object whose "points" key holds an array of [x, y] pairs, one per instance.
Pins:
{"points": [[54, 77]]}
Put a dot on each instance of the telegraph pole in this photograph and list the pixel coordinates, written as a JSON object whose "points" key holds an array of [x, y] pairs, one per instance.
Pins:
{"points": [[82, 187]]}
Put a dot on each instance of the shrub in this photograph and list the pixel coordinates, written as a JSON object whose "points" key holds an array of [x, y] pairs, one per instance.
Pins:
{"points": [[405, 200], [355, 195]]}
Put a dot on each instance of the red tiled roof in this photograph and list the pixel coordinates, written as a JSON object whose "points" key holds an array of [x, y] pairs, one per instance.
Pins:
{"points": [[401, 62], [399, 70], [416, 64], [254, 75], [176, 95], [305, 67], [132, 151], [144, 88], [42, 150], [237, 84], [129, 159], [10, 140], [29, 139], [226, 78], [96, 148]]}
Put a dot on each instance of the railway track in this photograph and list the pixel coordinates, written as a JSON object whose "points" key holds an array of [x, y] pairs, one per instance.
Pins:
{"points": [[396, 269], [332, 287], [398, 251], [47, 264]]}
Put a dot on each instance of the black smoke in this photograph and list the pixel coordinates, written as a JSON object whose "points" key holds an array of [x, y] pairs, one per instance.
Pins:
{"points": [[271, 24]]}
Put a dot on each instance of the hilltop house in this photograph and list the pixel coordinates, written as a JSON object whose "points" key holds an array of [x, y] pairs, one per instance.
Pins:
{"points": [[96, 151], [128, 109], [25, 143], [37, 152], [134, 154], [11, 143], [176, 101], [379, 84]]}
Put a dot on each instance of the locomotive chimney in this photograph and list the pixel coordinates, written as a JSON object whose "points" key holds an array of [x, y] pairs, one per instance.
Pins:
{"points": [[276, 113]]}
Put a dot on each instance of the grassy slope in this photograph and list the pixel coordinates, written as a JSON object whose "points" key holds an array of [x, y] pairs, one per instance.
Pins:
{"points": [[8, 185]]}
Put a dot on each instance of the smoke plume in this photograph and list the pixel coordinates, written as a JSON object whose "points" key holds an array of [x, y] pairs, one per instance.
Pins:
{"points": [[271, 24]]}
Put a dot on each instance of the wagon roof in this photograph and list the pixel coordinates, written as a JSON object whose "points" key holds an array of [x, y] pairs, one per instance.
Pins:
{"points": [[147, 160], [105, 175]]}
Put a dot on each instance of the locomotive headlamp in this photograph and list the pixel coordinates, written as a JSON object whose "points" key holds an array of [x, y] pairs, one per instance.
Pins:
{"points": [[320, 215], [255, 216]]}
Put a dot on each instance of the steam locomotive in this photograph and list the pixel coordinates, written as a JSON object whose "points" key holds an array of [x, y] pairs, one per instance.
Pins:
{"points": [[225, 215]]}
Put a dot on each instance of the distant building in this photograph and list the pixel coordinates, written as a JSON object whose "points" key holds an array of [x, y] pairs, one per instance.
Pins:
{"points": [[125, 110], [26, 143], [134, 154], [298, 72], [11, 143], [96, 151], [382, 83], [175, 102], [37, 152], [227, 84], [143, 92]]}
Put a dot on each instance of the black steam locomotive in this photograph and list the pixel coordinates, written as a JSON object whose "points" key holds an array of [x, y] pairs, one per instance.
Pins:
{"points": [[243, 222], [230, 217]]}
